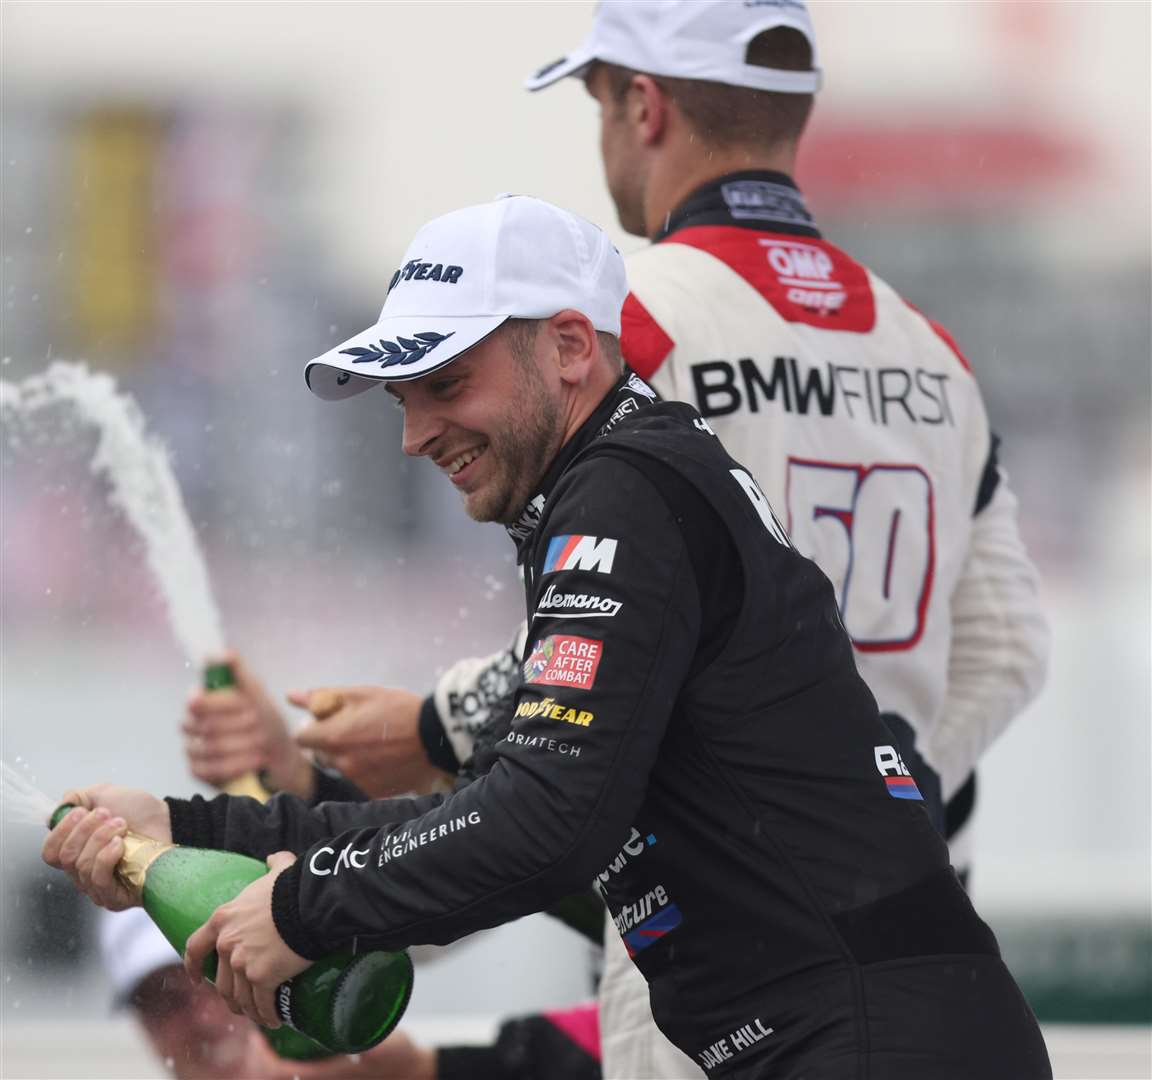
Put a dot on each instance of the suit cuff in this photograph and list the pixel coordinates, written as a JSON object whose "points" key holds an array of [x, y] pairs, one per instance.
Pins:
{"points": [[192, 822], [436, 743], [286, 915], [331, 785]]}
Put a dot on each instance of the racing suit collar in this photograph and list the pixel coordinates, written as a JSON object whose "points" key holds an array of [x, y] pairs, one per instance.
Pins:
{"points": [[629, 393], [754, 199]]}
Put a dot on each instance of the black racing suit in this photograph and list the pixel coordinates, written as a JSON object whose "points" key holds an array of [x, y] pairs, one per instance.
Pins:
{"points": [[691, 733]]}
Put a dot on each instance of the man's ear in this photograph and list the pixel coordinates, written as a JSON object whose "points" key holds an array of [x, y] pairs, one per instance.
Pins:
{"points": [[577, 348], [647, 108]]}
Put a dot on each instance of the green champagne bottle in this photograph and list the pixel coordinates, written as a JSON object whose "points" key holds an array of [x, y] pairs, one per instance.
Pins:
{"points": [[347, 1002]]}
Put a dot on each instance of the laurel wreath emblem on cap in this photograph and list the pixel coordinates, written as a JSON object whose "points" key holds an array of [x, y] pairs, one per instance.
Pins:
{"points": [[402, 351]]}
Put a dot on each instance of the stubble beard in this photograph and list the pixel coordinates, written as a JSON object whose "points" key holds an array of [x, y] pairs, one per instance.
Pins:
{"points": [[519, 450]]}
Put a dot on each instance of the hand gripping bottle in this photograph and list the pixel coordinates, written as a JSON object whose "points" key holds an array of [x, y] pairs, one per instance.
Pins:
{"points": [[222, 677], [347, 1002]]}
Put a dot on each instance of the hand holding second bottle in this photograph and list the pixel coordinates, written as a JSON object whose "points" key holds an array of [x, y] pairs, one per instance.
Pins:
{"points": [[253, 959], [237, 730]]}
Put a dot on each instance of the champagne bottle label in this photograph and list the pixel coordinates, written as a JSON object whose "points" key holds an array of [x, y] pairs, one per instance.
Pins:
{"points": [[284, 1004]]}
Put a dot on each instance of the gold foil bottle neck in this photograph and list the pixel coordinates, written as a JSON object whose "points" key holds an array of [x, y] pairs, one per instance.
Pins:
{"points": [[250, 785], [140, 852]]}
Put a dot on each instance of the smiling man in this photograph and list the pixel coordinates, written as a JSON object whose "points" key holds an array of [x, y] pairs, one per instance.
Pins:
{"points": [[690, 733]]}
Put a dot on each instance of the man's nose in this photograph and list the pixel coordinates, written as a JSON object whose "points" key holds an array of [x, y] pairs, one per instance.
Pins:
{"points": [[420, 431]]}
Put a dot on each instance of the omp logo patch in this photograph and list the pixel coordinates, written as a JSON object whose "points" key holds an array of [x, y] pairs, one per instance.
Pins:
{"points": [[897, 778], [580, 553], [564, 660], [806, 274], [551, 709]]}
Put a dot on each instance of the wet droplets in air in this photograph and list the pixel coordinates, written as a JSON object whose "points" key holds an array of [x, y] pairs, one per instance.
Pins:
{"points": [[21, 799], [137, 467]]}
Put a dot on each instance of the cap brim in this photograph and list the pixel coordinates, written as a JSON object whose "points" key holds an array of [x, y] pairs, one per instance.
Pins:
{"points": [[395, 350], [572, 64]]}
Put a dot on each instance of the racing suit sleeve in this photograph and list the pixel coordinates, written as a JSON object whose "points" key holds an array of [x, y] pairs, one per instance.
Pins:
{"points": [[284, 823], [462, 702], [1000, 637], [568, 778]]}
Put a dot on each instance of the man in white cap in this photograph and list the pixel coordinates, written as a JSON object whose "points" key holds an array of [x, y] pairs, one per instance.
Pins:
{"points": [[690, 729]]}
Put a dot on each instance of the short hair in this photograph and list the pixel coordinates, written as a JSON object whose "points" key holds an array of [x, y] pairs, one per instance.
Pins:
{"points": [[521, 334], [725, 116]]}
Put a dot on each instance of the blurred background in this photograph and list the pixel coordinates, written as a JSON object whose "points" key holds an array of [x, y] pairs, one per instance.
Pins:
{"points": [[197, 198]]}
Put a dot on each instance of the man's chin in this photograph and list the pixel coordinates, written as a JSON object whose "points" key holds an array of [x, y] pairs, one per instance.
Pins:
{"points": [[477, 511], [630, 214], [481, 508]]}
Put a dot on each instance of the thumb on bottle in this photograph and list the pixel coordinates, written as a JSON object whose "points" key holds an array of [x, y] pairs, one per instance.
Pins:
{"points": [[321, 703], [77, 797]]}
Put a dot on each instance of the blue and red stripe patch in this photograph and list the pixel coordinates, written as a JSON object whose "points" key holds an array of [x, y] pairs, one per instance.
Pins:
{"points": [[652, 929], [903, 787], [560, 550]]}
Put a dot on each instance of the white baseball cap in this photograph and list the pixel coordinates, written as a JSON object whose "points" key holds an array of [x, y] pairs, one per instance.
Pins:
{"points": [[689, 39], [467, 273]]}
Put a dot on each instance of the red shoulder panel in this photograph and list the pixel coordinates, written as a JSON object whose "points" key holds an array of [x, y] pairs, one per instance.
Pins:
{"points": [[642, 339], [944, 336], [806, 280]]}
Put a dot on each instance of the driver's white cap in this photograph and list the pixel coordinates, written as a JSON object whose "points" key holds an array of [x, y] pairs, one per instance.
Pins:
{"points": [[689, 39], [464, 275]]}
